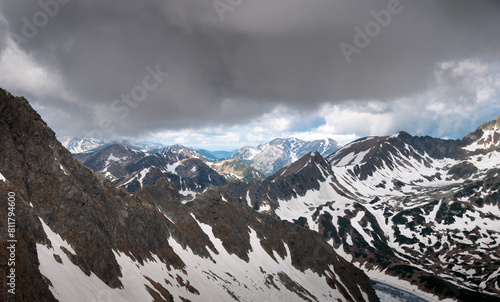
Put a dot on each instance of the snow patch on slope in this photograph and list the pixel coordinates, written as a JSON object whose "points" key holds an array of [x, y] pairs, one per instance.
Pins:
{"points": [[251, 276], [306, 205], [221, 278], [489, 140], [112, 158]]}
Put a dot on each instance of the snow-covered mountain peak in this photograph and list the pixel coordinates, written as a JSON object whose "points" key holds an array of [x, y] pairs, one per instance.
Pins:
{"points": [[81, 144], [280, 152], [420, 208], [485, 138]]}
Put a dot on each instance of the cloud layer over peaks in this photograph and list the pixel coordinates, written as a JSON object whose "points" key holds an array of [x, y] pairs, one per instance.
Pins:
{"points": [[88, 64]]}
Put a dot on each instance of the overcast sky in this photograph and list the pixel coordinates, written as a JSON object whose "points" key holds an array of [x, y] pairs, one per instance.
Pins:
{"points": [[227, 73]]}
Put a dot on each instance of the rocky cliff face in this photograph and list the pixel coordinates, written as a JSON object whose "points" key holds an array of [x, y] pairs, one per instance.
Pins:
{"points": [[80, 238]]}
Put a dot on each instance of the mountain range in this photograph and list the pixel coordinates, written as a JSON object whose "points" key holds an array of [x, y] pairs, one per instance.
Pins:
{"points": [[132, 170], [191, 170], [417, 213], [79, 238], [84, 144], [266, 158]]}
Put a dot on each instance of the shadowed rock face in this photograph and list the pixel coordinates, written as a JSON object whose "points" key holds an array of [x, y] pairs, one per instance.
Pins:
{"points": [[85, 210], [99, 222]]}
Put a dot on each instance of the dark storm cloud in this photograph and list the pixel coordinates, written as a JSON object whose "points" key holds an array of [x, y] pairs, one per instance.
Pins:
{"points": [[262, 53]]}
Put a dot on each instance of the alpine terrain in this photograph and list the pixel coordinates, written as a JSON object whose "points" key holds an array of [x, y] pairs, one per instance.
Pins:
{"points": [[81, 144], [416, 212], [85, 144], [79, 238]]}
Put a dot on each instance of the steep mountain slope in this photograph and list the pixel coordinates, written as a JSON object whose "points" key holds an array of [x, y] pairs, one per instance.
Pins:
{"points": [[79, 238], [417, 212], [278, 153]]}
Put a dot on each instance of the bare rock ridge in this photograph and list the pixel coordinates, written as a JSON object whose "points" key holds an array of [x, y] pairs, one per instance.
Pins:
{"points": [[79, 237]]}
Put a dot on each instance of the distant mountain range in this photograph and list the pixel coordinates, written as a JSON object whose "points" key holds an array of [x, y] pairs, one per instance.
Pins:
{"points": [[135, 165], [191, 170], [186, 168], [84, 144], [270, 157], [265, 158], [81, 144]]}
